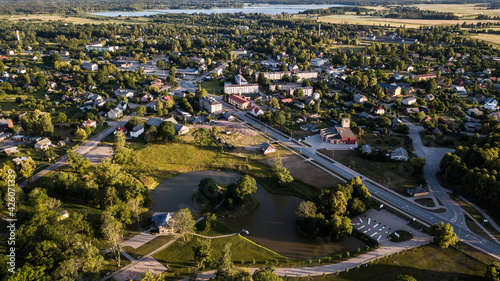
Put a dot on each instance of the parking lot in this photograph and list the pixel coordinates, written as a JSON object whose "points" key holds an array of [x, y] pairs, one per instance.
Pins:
{"points": [[380, 224]]}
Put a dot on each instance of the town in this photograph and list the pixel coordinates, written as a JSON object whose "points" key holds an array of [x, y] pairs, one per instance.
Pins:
{"points": [[249, 146]]}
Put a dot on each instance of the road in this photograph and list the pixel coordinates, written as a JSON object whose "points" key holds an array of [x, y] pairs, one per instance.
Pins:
{"points": [[453, 215], [82, 149]]}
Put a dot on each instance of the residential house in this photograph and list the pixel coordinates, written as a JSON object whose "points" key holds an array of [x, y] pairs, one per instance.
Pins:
{"points": [[366, 149], [474, 112], [228, 116], [409, 101], [412, 110], [309, 102], [155, 121], [267, 148], [240, 80], [10, 150], [137, 131], [147, 97], [121, 129], [424, 77], [43, 144], [378, 110], [90, 66], [6, 123], [89, 123], [125, 93], [256, 111], [115, 113], [490, 103], [163, 221], [391, 89], [299, 104], [180, 129], [400, 154], [316, 96], [319, 62], [360, 98]]}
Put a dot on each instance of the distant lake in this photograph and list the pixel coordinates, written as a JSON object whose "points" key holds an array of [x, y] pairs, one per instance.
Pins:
{"points": [[265, 9]]}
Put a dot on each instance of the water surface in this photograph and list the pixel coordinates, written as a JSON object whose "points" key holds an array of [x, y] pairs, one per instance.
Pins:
{"points": [[272, 225]]}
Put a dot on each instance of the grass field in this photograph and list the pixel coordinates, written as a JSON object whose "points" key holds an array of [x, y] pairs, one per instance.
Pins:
{"points": [[409, 23], [213, 85], [429, 263], [180, 256], [492, 38], [396, 176], [148, 247], [461, 10]]}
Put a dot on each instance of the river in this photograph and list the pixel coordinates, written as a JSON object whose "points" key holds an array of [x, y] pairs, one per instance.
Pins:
{"points": [[264, 9], [272, 225]]}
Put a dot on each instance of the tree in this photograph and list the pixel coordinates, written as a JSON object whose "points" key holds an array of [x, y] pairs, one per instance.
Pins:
{"points": [[334, 203], [210, 220], [112, 230], [119, 142], [225, 261], [279, 118], [183, 222], [405, 278], [200, 92], [274, 103], [151, 276], [306, 209], [243, 188], [140, 110], [493, 272], [50, 155], [443, 234], [27, 168], [77, 162], [265, 274], [340, 226], [80, 134], [29, 272], [215, 131], [282, 174], [431, 86], [61, 118], [135, 205], [166, 131], [36, 123], [202, 252], [173, 71], [201, 136], [208, 187]]}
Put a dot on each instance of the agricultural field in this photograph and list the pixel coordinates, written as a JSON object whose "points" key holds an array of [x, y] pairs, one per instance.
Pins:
{"points": [[75, 20]]}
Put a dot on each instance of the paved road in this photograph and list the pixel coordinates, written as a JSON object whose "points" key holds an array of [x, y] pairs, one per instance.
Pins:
{"points": [[453, 215], [82, 149]]}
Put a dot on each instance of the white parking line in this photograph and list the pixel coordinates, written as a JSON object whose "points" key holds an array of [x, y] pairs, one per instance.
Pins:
{"points": [[369, 220], [367, 231], [373, 234], [362, 227], [376, 225], [378, 239], [360, 220]]}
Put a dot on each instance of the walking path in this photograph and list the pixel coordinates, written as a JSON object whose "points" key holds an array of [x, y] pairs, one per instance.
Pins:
{"points": [[483, 213]]}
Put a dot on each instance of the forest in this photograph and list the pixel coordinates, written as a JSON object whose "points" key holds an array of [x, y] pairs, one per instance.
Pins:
{"points": [[404, 12], [474, 168]]}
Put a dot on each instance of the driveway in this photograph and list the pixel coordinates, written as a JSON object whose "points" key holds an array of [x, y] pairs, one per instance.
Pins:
{"points": [[135, 271], [139, 240]]}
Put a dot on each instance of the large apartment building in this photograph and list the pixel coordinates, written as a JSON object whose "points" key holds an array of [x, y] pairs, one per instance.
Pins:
{"points": [[279, 75], [210, 105], [243, 89], [291, 87], [240, 102]]}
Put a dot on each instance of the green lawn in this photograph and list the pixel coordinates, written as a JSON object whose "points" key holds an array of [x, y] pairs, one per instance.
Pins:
{"points": [[148, 247], [179, 255], [397, 176], [213, 86], [429, 263]]}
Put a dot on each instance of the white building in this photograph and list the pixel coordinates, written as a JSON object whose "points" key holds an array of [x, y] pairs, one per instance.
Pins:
{"points": [[210, 105], [244, 89], [137, 131], [256, 111], [490, 103], [239, 79], [90, 66], [318, 62], [115, 113], [360, 98], [43, 144], [409, 101], [400, 154]]}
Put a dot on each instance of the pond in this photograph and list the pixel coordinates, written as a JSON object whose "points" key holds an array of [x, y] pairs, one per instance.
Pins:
{"points": [[264, 9], [272, 225]]}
